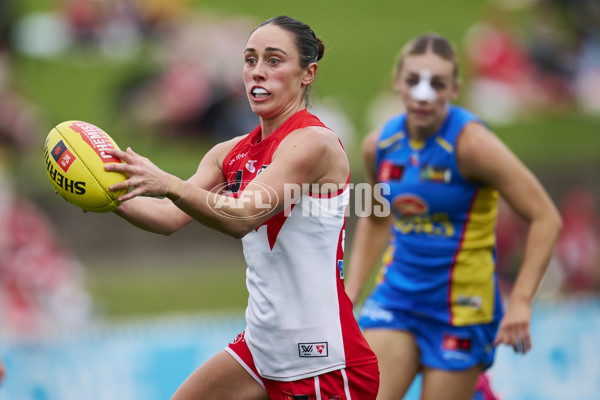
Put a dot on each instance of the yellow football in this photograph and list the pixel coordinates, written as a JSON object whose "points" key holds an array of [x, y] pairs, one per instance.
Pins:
{"points": [[75, 159]]}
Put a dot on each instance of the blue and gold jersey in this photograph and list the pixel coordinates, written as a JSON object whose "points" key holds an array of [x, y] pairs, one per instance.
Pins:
{"points": [[441, 259]]}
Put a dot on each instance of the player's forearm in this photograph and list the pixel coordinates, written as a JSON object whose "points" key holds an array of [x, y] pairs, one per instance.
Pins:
{"points": [[541, 238], [232, 216], [153, 215], [370, 239]]}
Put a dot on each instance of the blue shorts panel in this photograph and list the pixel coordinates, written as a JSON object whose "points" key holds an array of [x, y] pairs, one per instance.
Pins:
{"points": [[442, 346]]}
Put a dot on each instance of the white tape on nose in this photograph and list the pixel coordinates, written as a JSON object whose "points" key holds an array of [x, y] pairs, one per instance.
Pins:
{"points": [[423, 91]]}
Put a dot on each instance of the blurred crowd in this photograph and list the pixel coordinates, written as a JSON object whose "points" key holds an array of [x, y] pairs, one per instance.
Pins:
{"points": [[41, 281], [550, 63], [575, 266], [189, 82], [195, 88], [190, 86]]}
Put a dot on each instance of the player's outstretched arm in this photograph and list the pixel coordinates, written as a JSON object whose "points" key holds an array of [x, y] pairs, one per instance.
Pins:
{"points": [[146, 206], [309, 155], [483, 157]]}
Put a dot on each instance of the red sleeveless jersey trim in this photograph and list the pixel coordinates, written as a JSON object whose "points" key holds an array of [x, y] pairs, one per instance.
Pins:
{"points": [[252, 142]]}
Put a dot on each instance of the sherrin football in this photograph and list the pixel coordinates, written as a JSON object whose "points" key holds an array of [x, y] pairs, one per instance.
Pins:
{"points": [[75, 159]]}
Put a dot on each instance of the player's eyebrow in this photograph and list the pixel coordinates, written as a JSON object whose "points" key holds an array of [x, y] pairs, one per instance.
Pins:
{"points": [[268, 49]]}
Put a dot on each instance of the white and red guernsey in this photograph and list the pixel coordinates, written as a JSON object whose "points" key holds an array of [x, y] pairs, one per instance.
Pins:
{"points": [[299, 319]]}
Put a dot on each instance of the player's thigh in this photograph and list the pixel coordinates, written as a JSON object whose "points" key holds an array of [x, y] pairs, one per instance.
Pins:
{"points": [[398, 357], [221, 377], [449, 385]]}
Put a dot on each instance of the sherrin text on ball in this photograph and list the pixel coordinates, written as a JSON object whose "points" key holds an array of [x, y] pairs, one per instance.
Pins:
{"points": [[75, 156]]}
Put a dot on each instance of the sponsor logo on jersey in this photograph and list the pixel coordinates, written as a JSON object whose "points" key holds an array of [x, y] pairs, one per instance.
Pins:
{"points": [[410, 204], [250, 166], [414, 159], [63, 156], [435, 174], [388, 171], [237, 157], [317, 349], [340, 264], [454, 343], [470, 301]]}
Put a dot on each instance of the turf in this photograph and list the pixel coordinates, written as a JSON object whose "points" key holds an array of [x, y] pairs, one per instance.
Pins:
{"points": [[155, 289]]}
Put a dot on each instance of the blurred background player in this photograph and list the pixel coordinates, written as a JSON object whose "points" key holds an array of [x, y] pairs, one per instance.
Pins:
{"points": [[437, 308]]}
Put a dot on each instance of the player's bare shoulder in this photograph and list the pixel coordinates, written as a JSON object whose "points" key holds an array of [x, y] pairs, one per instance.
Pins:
{"points": [[317, 149], [481, 155], [217, 154], [223, 148], [316, 140], [318, 133]]}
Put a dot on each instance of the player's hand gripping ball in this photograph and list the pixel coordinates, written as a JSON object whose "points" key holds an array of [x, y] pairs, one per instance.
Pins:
{"points": [[75, 159]]}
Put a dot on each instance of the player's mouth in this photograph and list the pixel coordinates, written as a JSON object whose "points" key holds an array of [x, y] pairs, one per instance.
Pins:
{"points": [[421, 113], [258, 93]]}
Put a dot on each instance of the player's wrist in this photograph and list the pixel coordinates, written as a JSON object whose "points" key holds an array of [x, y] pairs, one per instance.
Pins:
{"points": [[175, 188]]}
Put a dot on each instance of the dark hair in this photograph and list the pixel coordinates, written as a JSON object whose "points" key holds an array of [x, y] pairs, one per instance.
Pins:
{"points": [[432, 42], [309, 46]]}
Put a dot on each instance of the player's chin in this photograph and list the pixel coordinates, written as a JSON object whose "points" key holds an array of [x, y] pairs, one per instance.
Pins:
{"points": [[263, 109], [424, 122], [257, 109]]}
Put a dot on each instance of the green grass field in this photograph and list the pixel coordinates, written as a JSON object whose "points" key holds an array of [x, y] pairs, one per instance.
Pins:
{"points": [[162, 289], [362, 40]]}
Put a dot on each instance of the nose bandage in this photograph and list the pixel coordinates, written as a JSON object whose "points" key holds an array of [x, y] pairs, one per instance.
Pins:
{"points": [[423, 90]]}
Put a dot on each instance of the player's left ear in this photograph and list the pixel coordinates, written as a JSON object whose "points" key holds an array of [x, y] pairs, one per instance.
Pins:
{"points": [[309, 74]]}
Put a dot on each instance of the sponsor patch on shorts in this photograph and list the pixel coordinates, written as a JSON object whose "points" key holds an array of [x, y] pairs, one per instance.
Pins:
{"points": [[455, 343], [317, 349]]}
